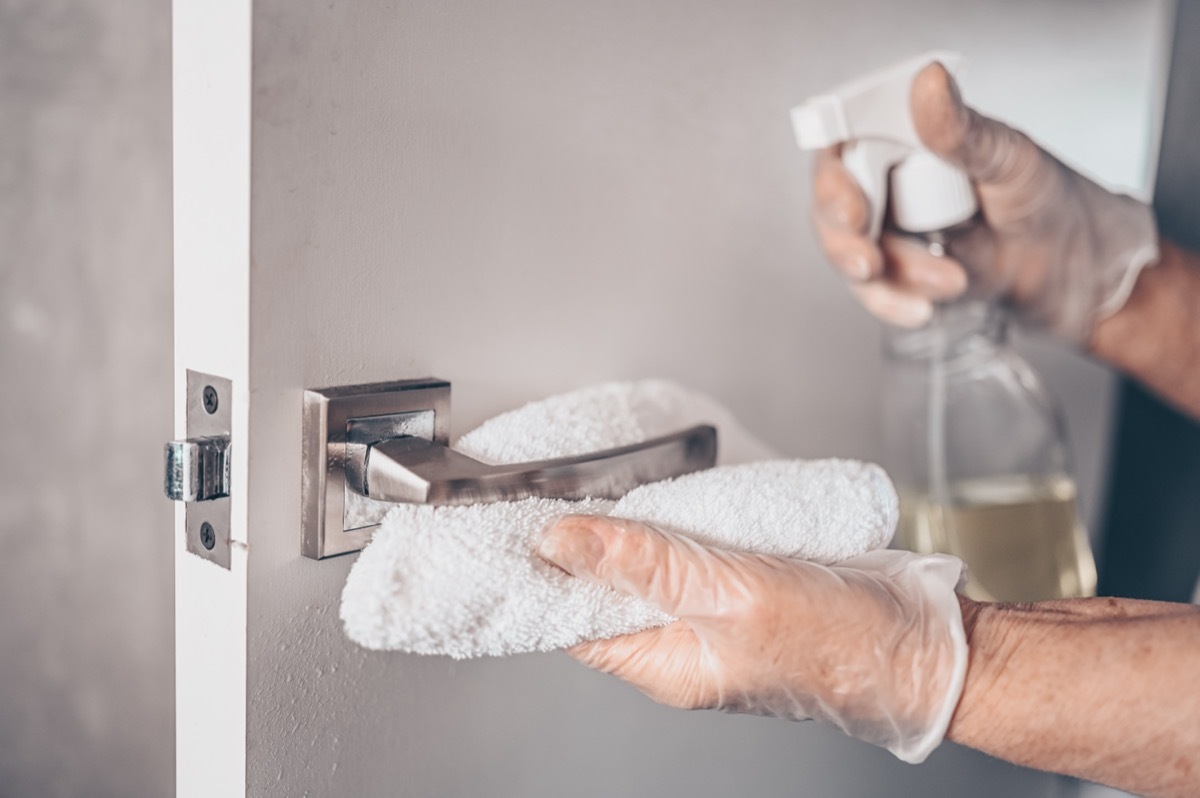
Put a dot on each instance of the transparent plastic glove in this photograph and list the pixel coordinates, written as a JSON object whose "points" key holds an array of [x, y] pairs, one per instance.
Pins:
{"points": [[874, 644], [1063, 251]]}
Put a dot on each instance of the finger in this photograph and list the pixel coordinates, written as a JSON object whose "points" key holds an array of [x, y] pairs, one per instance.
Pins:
{"points": [[913, 268], [990, 151], [894, 305], [988, 272], [665, 662], [837, 198], [851, 253], [674, 573]]}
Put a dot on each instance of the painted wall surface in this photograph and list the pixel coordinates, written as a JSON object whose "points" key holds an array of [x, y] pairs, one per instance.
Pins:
{"points": [[531, 196], [616, 181], [86, 683]]}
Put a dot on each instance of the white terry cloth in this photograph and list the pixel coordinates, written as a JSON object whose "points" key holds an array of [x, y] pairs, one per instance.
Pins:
{"points": [[467, 581], [606, 416]]}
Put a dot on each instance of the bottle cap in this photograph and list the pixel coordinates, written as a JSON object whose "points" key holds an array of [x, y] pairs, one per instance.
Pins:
{"points": [[929, 194]]}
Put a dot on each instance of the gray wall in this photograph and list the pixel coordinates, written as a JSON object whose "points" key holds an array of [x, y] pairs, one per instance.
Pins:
{"points": [[86, 683], [85, 580], [530, 196]]}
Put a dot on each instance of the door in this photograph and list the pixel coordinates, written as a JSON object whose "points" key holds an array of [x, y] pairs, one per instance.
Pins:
{"points": [[523, 198]]}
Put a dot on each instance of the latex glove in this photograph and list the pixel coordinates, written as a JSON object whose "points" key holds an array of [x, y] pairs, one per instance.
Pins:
{"points": [[1063, 251], [874, 644]]}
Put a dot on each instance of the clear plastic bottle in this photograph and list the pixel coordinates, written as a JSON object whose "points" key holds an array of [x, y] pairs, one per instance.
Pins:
{"points": [[977, 448], [977, 445]]}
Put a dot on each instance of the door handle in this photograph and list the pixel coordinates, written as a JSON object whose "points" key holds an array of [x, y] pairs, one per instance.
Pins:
{"points": [[415, 470], [367, 447]]}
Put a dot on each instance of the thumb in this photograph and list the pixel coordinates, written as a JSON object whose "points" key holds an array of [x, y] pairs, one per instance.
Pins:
{"points": [[988, 150], [672, 572]]}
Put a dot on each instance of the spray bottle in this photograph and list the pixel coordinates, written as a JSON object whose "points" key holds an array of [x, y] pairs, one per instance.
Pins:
{"points": [[975, 442]]}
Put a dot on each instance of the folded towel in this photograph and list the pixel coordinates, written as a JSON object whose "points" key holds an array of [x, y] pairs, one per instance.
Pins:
{"points": [[604, 417], [467, 581]]}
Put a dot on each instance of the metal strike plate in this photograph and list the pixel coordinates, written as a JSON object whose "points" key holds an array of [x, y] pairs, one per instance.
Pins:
{"points": [[197, 469], [334, 519]]}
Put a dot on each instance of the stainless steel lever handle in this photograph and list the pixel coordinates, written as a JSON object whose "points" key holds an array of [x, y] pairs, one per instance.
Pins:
{"points": [[416, 470], [389, 442]]}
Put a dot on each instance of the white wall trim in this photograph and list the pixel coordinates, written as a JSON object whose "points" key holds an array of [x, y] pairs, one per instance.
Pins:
{"points": [[212, 73]]}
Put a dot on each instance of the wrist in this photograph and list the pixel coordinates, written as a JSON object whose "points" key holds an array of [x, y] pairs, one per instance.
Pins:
{"points": [[988, 643], [1141, 250], [940, 649], [1153, 337]]}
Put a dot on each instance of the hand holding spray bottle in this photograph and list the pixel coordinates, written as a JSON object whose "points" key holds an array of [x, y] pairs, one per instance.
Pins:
{"points": [[977, 446]]}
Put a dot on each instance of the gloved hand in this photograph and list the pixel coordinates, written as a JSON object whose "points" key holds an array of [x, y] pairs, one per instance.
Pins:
{"points": [[1062, 250], [874, 644]]}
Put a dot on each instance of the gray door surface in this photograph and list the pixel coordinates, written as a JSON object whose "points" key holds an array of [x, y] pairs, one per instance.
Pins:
{"points": [[524, 198]]}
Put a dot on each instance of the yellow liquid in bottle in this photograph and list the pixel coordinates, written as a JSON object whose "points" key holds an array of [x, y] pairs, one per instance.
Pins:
{"points": [[1019, 536]]}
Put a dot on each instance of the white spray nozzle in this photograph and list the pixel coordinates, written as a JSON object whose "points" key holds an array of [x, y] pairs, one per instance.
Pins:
{"points": [[870, 118]]}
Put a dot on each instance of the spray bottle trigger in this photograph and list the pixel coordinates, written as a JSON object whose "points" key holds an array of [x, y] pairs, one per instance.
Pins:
{"points": [[870, 163], [871, 118]]}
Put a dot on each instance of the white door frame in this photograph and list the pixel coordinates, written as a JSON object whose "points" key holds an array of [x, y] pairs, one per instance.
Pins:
{"points": [[212, 74]]}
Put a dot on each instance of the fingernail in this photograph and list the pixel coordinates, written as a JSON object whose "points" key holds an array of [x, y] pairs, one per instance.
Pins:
{"points": [[911, 312], [841, 213], [943, 283], [574, 544], [860, 267], [955, 93]]}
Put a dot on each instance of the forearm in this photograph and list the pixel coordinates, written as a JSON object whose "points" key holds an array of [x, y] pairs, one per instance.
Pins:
{"points": [[1103, 689], [1155, 337]]}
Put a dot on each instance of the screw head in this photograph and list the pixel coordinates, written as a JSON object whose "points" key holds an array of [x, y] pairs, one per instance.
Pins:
{"points": [[210, 399], [207, 536]]}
